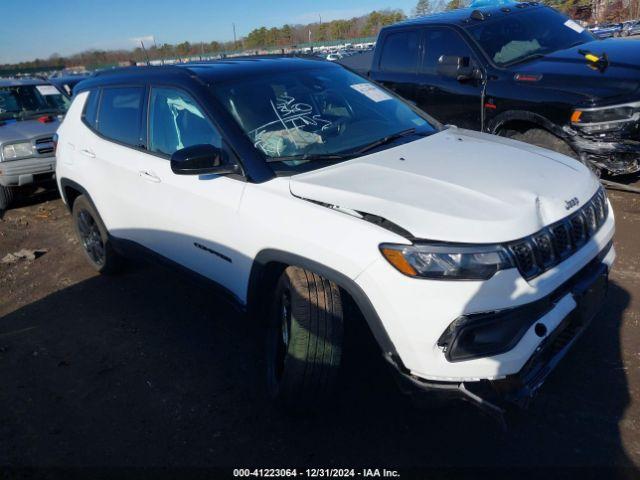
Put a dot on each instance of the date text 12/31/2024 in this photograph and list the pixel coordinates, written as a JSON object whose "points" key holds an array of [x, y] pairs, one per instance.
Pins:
{"points": [[316, 473]]}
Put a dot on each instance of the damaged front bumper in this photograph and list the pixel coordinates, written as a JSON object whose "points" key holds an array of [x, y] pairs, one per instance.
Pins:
{"points": [[588, 288], [616, 153]]}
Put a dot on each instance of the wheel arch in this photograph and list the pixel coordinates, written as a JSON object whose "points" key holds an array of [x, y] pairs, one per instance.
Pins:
{"points": [[522, 117], [71, 190], [269, 264]]}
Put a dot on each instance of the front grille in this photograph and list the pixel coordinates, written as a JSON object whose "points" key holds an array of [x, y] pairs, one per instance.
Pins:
{"points": [[44, 145], [545, 249]]}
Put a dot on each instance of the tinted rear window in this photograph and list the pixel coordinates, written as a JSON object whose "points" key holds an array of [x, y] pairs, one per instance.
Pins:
{"points": [[400, 52], [120, 113]]}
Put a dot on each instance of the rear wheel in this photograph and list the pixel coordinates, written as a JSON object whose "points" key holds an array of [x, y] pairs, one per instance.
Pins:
{"points": [[6, 197], [304, 340], [94, 238]]}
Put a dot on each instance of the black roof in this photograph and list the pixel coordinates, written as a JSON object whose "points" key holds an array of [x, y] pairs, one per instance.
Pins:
{"points": [[210, 71], [18, 82], [467, 17]]}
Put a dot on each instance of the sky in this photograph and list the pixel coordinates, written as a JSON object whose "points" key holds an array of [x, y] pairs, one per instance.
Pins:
{"points": [[39, 28]]}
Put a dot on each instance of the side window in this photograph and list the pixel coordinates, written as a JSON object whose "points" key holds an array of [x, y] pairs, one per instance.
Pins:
{"points": [[400, 52], [176, 121], [90, 112], [119, 114], [442, 41]]}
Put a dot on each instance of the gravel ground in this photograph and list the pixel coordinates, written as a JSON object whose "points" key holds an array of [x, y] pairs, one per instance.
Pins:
{"points": [[147, 372]]}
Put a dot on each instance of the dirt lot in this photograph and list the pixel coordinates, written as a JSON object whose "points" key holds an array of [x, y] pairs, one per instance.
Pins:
{"points": [[148, 370]]}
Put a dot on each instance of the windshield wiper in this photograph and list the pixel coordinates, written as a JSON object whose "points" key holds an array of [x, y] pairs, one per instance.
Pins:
{"points": [[385, 140], [310, 157], [581, 42], [345, 156], [36, 113], [9, 115], [525, 59]]}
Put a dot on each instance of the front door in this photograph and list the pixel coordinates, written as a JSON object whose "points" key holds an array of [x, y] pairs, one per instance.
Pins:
{"points": [[449, 100], [191, 219]]}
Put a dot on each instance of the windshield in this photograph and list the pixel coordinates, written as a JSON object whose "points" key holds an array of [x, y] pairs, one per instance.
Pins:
{"points": [[321, 113], [519, 37], [25, 101]]}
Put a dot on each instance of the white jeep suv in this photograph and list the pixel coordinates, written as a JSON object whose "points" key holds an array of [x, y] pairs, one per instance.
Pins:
{"points": [[297, 186]]}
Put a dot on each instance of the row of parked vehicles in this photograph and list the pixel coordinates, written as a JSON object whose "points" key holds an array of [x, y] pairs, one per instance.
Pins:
{"points": [[345, 53], [622, 29], [313, 197]]}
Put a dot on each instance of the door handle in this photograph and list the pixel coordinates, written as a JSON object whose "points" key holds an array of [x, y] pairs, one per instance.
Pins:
{"points": [[88, 153], [149, 176]]}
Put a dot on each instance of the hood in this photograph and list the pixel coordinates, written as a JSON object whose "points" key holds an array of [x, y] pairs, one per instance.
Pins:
{"points": [[26, 130], [455, 186], [569, 71]]}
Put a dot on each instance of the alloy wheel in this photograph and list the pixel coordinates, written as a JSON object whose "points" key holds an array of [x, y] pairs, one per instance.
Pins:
{"points": [[91, 237]]}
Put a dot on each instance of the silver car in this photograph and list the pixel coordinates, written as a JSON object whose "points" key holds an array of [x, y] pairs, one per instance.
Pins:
{"points": [[30, 113]]}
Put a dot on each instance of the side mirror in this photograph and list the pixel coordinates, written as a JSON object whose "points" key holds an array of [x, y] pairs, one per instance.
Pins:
{"points": [[201, 160], [459, 68]]}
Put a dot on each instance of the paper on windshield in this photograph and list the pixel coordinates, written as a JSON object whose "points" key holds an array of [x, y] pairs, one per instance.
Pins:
{"points": [[371, 92], [574, 26], [47, 90]]}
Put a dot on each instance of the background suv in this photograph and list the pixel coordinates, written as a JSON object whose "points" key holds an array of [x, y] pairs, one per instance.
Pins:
{"points": [[30, 113]]}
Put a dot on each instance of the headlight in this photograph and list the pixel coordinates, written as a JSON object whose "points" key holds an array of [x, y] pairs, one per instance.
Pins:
{"points": [[16, 151], [600, 119], [448, 262]]}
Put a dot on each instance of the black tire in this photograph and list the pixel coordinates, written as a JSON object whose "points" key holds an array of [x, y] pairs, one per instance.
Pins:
{"points": [[94, 238], [6, 197], [544, 139], [304, 340]]}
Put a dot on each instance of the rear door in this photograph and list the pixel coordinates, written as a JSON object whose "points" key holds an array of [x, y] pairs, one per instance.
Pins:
{"points": [[449, 100], [111, 153], [397, 67]]}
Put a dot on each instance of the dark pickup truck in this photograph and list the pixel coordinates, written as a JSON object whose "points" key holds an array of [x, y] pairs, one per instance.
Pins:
{"points": [[523, 71]]}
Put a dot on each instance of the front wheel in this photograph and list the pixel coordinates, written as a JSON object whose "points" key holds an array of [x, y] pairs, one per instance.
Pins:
{"points": [[304, 340], [544, 139], [94, 238], [6, 197]]}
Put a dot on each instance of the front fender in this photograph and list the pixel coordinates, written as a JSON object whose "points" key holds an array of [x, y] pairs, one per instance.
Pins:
{"points": [[263, 274]]}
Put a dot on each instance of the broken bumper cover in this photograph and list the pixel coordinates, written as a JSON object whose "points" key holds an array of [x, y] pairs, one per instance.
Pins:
{"points": [[588, 288], [616, 153]]}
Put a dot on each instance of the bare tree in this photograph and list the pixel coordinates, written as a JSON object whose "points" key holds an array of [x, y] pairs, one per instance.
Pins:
{"points": [[422, 8]]}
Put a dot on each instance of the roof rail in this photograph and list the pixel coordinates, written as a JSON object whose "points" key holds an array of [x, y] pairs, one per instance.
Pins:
{"points": [[139, 70]]}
